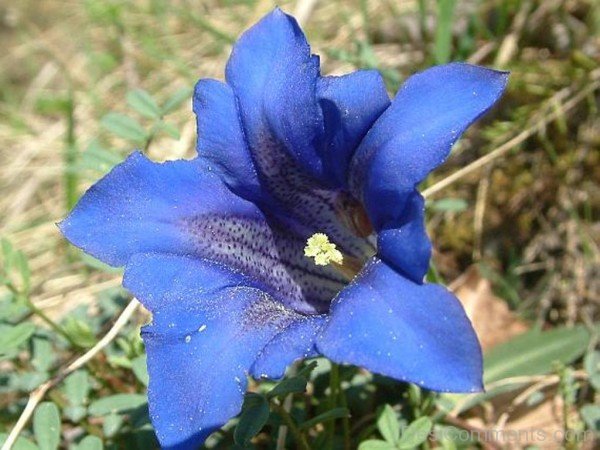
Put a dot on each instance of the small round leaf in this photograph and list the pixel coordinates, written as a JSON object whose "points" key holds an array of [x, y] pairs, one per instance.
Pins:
{"points": [[46, 426]]}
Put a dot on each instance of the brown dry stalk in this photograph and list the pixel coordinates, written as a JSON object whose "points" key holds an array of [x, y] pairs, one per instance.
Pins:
{"points": [[549, 380], [516, 140]]}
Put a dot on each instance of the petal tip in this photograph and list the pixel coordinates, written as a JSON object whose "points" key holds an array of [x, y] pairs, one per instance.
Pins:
{"points": [[467, 385], [277, 15], [62, 225], [68, 228]]}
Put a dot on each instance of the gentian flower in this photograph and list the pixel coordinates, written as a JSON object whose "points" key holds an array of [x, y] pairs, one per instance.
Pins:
{"points": [[293, 169]]}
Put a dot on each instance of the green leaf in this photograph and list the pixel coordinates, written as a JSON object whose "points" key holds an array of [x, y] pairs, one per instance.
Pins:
{"points": [[125, 127], [28, 381], [443, 32], [449, 205], [169, 129], [77, 386], [293, 385], [176, 100], [13, 336], [307, 370], [20, 444], [388, 425], [46, 426], [254, 416], [138, 365], [120, 361], [473, 400], [591, 363], [43, 356], [90, 443], [376, 444], [7, 254], [117, 403], [143, 103], [145, 438], [24, 271], [79, 332], [416, 433], [98, 158], [75, 413], [591, 416], [332, 414], [112, 424], [534, 352], [10, 309]]}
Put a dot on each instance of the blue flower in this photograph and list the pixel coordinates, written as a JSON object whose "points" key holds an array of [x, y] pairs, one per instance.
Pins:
{"points": [[214, 247]]}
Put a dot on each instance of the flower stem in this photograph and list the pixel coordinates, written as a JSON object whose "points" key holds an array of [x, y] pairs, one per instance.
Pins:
{"points": [[287, 405], [55, 327], [345, 419], [338, 395], [39, 312], [301, 442], [334, 388], [70, 152]]}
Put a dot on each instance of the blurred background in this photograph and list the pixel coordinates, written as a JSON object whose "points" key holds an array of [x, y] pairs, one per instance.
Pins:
{"points": [[513, 214]]}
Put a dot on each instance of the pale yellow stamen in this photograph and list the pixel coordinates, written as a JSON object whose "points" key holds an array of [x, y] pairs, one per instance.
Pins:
{"points": [[323, 251]]}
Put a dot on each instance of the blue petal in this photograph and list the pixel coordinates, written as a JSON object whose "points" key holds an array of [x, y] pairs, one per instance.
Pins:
{"points": [[296, 342], [220, 136], [411, 332], [140, 205], [181, 207], [404, 244], [274, 78], [415, 134], [273, 75], [206, 332], [350, 104], [285, 191]]}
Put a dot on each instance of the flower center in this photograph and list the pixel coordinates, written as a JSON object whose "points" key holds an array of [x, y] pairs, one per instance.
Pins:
{"points": [[325, 252]]}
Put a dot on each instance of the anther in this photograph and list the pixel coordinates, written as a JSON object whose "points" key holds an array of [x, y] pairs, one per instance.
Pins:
{"points": [[323, 251]]}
